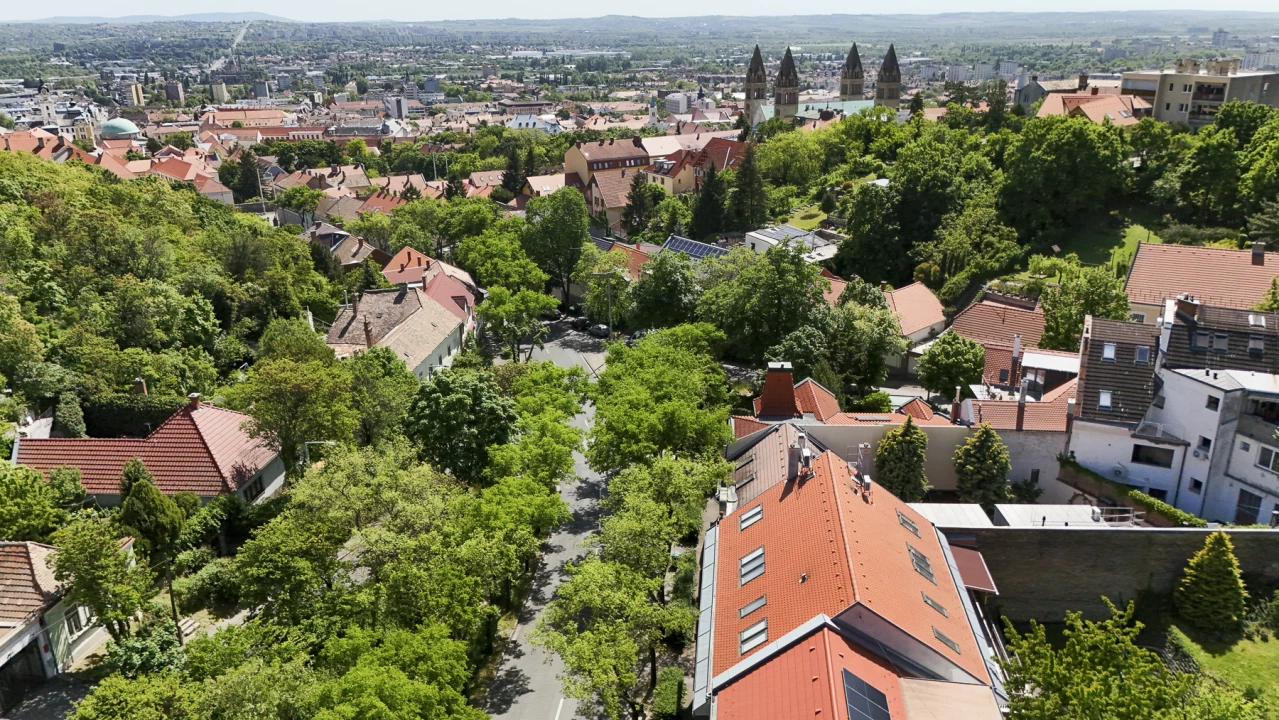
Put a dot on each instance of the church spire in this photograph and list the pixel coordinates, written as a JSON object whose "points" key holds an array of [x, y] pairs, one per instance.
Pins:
{"points": [[755, 72], [786, 89], [786, 74], [756, 87], [852, 69], [888, 86], [889, 72]]}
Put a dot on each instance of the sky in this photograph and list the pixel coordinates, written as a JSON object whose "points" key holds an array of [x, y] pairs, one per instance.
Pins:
{"points": [[415, 10]]}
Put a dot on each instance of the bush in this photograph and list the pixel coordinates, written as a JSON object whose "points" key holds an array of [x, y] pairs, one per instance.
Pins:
{"points": [[189, 561], [1211, 595], [68, 419], [878, 402], [213, 586], [1151, 505], [154, 648], [685, 576], [1178, 234], [669, 695], [128, 414]]}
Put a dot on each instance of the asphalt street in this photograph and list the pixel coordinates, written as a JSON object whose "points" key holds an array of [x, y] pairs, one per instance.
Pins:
{"points": [[526, 686]]}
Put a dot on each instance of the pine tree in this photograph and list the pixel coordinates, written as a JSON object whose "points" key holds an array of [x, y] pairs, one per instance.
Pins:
{"points": [[530, 167], [982, 466], [1270, 301], [708, 208], [157, 519], [639, 205], [750, 202], [1211, 595], [513, 177], [916, 105], [899, 462], [133, 473]]}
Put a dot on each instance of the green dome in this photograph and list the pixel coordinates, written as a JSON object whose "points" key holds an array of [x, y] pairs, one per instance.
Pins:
{"points": [[119, 126]]}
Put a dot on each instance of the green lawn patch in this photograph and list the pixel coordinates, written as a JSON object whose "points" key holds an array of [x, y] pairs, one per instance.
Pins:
{"points": [[1246, 663], [808, 218], [1105, 239]]}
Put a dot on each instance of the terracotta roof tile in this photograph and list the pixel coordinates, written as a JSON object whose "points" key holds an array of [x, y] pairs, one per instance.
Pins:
{"points": [[916, 306], [1214, 276], [26, 581], [816, 400], [896, 418], [744, 425], [990, 322]]}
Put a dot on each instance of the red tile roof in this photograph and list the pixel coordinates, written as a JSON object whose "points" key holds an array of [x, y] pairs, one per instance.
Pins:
{"points": [[26, 582], [989, 322], [1214, 276], [407, 266], [635, 259], [916, 307], [744, 425], [382, 202], [1047, 415], [777, 398], [721, 152], [896, 418], [452, 294], [204, 450], [806, 681], [827, 546], [814, 399]]}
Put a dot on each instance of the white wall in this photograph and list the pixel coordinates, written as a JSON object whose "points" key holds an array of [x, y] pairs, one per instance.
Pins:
{"points": [[1185, 414], [1221, 496], [1105, 448], [1031, 450]]}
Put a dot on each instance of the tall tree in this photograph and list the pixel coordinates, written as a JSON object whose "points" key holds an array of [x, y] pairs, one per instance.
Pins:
{"points": [[456, 417], [155, 519], [513, 316], [293, 339], [381, 389], [899, 462], [95, 573], [750, 201], [639, 205], [1091, 291], [982, 466], [666, 292], [874, 250], [952, 360], [513, 177], [1263, 226], [30, 508], [1211, 594], [558, 227], [859, 339], [709, 208]]}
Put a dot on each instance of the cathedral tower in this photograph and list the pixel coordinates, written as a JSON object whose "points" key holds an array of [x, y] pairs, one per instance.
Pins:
{"points": [[756, 89], [851, 76], [786, 89], [888, 87]]}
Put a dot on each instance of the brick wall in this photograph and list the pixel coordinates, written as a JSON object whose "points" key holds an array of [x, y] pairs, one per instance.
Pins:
{"points": [[1043, 572]]}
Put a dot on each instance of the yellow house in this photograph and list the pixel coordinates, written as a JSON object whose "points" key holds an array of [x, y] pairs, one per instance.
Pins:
{"points": [[586, 159], [676, 172]]}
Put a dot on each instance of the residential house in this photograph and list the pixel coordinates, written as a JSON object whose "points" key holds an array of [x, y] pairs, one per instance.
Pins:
{"points": [[693, 249], [350, 250], [1237, 279], [1033, 429], [920, 318], [525, 121], [608, 193], [719, 153], [1028, 92], [1192, 94], [676, 172], [422, 331], [383, 202], [345, 208], [818, 247], [413, 268], [41, 633], [486, 178], [543, 185], [1120, 110], [586, 159], [825, 594], [396, 184], [202, 448]]}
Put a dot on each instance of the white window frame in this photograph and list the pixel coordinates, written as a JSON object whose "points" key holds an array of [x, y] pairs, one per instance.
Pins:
{"points": [[752, 637], [748, 568], [1108, 352], [1105, 399]]}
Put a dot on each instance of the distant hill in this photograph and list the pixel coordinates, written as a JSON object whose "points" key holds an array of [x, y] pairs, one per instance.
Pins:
{"points": [[133, 19]]}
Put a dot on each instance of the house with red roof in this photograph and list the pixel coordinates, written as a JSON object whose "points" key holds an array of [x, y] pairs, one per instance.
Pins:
{"points": [[920, 318], [202, 448], [1214, 276], [415, 269], [825, 596]]}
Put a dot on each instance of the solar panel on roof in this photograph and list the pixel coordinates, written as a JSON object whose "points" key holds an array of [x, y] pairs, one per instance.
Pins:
{"points": [[865, 701], [694, 249]]}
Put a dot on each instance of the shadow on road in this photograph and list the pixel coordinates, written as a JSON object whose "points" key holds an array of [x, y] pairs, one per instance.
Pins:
{"points": [[509, 684]]}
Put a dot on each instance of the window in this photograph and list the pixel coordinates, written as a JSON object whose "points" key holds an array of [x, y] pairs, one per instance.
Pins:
{"points": [[1108, 352], [1137, 317], [749, 459], [863, 700], [751, 566], [1034, 476], [752, 637], [907, 523], [1156, 493], [1196, 485], [75, 624], [752, 606], [1185, 88], [1245, 446], [750, 517], [1248, 508], [1256, 320], [1103, 399], [935, 605], [1202, 340], [1204, 443], [1214, 402], [1268, 459], [1148, 455], [1256, 344], [1220, 342], [254, 490], [1141, 355], [1171, 87], [946, 641], [1168, 106], [921, 563]]}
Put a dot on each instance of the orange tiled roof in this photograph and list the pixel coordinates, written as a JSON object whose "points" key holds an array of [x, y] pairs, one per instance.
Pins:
{"points": [[204, 450], [26, 582], [994, 323], [916, 307], [1047, 415], [744, 425], [1214, 276], [812, 398], [847, 550], [895, 418]]}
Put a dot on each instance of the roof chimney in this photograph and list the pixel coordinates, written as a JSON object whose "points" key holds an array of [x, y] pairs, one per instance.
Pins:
{"points": [[883, 286], [793, 455], [1016, 345], [1021, 405], [368, 332], [140, 385], [355, 306], [1188, 306], [1258, 253], [193, 401], [777, 399], [955, 404]]}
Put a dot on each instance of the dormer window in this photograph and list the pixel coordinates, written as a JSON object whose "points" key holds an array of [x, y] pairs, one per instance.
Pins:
{"points": [[1103, 399], [1220, 342], [1257, 321], [1202, 340], [1256, 344]]}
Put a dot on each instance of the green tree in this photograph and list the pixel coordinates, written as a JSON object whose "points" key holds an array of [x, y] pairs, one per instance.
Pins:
{"points": [[666, 292], [558, 227], [1211, 594], [981, 468], [154, 519], [710, 209], [874, 250], [29, 507], [293, 339], [381, 389], [916, 105], [1091, 291], [1208, 179], [1244, 118], [860, 292], [641, 202], [1270, 301], [513, 177], [899, 462], [608, 290], [952, 360], [456, 417], [496, 257], [134, 472], [512, 316], [68, 419], [301, 199], [679, 486], [858, 341], [95, 573], [20, 344], [1263, 226], [749, 203], [291, 403], [180, 140]]}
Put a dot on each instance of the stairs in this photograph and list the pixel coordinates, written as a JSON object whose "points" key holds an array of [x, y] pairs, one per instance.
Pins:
{"points": [[188, 627]]}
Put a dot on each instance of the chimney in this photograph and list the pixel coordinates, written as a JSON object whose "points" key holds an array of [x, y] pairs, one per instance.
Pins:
{"points": [[883, 286], [792, 461], [777, 399], [1016, 346], [955, 405], [1188, 306], [1258, 253], [140, 385], [368, 332], [193, 401], [355, 306], [1021, 405], [1034, 78]]}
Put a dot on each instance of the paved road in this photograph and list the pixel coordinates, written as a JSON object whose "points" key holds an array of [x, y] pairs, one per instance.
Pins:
{"points": [[217, 64], [526, 686]]}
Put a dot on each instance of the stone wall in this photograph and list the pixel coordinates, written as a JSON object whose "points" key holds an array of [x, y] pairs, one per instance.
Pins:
{"points": [[1042, 573]]}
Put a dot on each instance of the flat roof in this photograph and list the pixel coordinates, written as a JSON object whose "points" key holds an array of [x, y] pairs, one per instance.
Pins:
{"points": [[1051, 361], [953, 515], [1048, 516]]}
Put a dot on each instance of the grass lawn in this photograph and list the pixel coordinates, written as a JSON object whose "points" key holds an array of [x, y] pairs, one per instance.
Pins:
{"points": [[800, 218], [1246, 663], [1102, 240]]}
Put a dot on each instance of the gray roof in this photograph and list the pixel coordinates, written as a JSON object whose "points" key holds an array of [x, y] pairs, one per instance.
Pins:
{"points": [[781, 232], [1227, 333], [1131, 384]]}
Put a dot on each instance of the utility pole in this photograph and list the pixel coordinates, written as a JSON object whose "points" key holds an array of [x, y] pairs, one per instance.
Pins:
{"points": [[608, 289]]}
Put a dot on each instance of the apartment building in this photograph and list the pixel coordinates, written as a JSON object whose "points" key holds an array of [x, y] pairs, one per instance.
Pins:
{"points": [[1192, 94]]}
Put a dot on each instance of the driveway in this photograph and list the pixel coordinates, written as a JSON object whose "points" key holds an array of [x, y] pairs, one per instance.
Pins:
{"points": [[526, 686]]}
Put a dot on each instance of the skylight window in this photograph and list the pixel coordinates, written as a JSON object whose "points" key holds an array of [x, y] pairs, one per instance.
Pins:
{"points": [[907, 523], [935, 605], [751, 566], [865, 701], [1108, 352], [946, 641], [752, 606], [921, 563], [1257, 321], [1103, 399], [753, 636], [1141, 355], [750, 517]]}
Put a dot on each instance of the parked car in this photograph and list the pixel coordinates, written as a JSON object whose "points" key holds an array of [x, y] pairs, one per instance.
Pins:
{"points": [[580, 323], [553, 314], [637, 336], [600, 330]]}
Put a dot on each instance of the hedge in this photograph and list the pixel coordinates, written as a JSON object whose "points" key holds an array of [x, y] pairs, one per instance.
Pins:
{"points": [[128, 414], [1140, 498], [669, 694]]}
